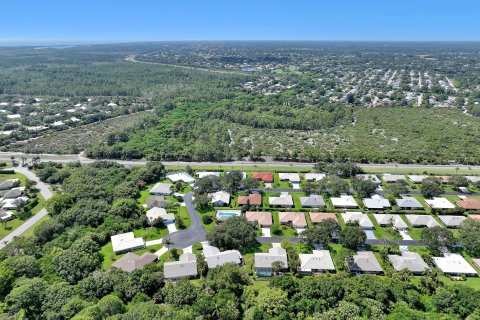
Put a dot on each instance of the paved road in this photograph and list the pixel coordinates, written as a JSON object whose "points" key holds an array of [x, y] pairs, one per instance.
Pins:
{"points": [[194, 233], [44, 191], [65, 158]]}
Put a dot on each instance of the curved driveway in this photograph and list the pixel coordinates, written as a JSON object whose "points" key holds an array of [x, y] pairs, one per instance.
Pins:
{"points": [[194, 233]]}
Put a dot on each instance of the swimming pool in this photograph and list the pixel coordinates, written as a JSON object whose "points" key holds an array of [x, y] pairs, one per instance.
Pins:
{"points": [[225, 214]]}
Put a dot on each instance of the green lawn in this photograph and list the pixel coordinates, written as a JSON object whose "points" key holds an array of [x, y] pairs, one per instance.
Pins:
{"points": [[151, 233], [287, 231], [182, 212]]}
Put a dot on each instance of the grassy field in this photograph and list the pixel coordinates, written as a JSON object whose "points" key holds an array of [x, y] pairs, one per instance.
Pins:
{"points": [[149, 234]]}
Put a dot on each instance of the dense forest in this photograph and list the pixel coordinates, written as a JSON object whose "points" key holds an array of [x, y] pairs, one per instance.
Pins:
{"points": [[56, 273]]}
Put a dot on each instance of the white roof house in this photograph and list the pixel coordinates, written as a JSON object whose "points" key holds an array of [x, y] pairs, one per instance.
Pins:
{"points": [[409, 203], [185, 267], [160, 213], [376, 202], [411, 261], [473, 179], [344, 201], [161, 189], [289, 176], [314, 176], [6, 215], [370, 177], [203, 174], [126, 242], [439, 203], [395, 219], [284, 200], [13, 203], [362, 219], [318, 261], [390, 178], [215, 258], [181, 176], [422, 220], [452, 221], [417, 178], [454, 264], [220, 198], [263, 261]]}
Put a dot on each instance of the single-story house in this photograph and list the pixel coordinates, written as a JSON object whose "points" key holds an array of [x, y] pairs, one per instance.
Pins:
{"points": [[12, 204], [317, 262], [289, 176], [317, 217], [464, 190], [220, 198], [314, 176], [454, 264], [186, 266], [263, 261], [284, 200], [439, 203], [452, 221], [376, 202], [264, 176], [344, 201], [443, 179], [13, 193], [365, 262], [131, 261], [6, 215], [411, 261], [157, 201], [387, 219], [469, 204], [422, 220], [223, 215], [203, 174], [363, 220], [370, 177], [253, 199], [476, 262], [297, 219], [9, 184], [263, 218], [408, 203], [162, 189], [160, 213], [126, 242], [180, 176], [312, 201], [391, 178], [417, 178], [473, 179], [215, 258]]}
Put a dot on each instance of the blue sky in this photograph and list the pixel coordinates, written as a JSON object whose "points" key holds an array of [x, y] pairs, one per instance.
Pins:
{"points": [[139, 20]]}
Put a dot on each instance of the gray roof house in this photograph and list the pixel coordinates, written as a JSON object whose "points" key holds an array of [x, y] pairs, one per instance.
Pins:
{"points": [[185, 267], [157, 201], [215, 258], [13, 193], [395, 219], [419, 220], [263, 261], [130, 261], [162, 189], [409, 203], [370, 177], [6, 215], [365, 262], [9, 184], [313, 201], [411, 261], [452, 221], [363, 220], [317, 262], [284, 200], [391, 178]]}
